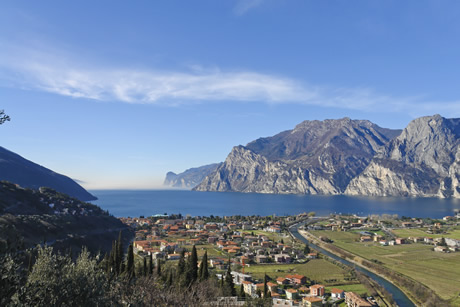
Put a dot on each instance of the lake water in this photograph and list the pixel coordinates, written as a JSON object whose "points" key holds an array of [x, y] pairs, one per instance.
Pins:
{"points": [[149, 202]]}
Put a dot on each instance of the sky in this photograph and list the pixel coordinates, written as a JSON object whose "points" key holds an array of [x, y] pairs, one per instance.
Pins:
{"points": [[116, 93]]}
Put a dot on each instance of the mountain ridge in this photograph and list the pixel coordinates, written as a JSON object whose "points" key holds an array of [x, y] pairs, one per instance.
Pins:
{"points": [[344, 156], [27, 174]]}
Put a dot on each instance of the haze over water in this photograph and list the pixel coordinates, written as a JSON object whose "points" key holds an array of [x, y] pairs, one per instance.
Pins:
{"points": [[149, 202]]}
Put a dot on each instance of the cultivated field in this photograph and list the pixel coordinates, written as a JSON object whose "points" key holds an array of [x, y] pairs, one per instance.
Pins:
{"points": [[453, 233], [438, 271], [318, 270]]}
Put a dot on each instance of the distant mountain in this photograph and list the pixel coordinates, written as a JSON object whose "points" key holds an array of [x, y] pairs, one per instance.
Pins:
{"points": [[189, 178], [423, 161], [15, 168], [316, 157]]}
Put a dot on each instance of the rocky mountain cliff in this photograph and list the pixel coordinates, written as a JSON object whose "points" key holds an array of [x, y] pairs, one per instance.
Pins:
{"points": [[316, 157], [15, 168], [424, 160], [189, 178]]}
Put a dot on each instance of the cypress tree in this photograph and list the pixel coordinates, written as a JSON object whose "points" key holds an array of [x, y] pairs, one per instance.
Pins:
{"points": [[229, 286], [265, 286], [130, 262], [145, 270], [31, 262], [242, 294], [159, 268], [192, 269], [181, 264], [203, 274], [306, 250], [150, 265], [119, 254]]}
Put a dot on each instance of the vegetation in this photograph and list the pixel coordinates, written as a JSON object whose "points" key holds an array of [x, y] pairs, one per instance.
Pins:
{"points": [[57, 280], [3, 117], [415, 267]]}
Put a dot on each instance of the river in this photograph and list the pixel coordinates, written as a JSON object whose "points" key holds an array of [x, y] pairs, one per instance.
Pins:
{"points": [[399, 297]]}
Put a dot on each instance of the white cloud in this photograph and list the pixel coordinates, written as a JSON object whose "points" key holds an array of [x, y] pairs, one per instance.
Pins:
{"points": [[46, 72], [243, 6]]}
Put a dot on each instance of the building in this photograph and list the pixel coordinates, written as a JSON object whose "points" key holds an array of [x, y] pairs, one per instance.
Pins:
{"points": [[354, 300], [278, 302], [292, 294], [317, 290], [282, 281], [297, 279], [310, 301], [238, 277], [337, 293]]}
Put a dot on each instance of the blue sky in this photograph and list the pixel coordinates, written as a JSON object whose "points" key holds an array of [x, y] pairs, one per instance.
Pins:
{"points": [[117, 93]]}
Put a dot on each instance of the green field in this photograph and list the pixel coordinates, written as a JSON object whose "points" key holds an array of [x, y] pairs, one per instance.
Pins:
{"points": [[438, 271], [453, 233], [318, 270]]}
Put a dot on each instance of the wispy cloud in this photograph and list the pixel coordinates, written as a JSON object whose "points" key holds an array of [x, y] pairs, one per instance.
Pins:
{"points": [[50, 73], [243, 6]]}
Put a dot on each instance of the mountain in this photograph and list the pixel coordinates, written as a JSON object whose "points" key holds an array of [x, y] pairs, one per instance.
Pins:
{"points": [[15, 168], [316, 157], [30, 217], [191, 177], [424, 160]]}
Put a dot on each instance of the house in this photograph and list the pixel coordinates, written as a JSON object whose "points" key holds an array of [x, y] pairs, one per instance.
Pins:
{"points": [[317, 290], [354, 300], [312, 255], [261, 259], [297, 279], [173, 256], [238, 277], [282, 281], [291, 294], [277, 302], [383, 243], [282, 258], [365, 239], [441, 249], [406, 224], [337, 293], [249, 287], [272, 287], [400, 241], [310, 301]]}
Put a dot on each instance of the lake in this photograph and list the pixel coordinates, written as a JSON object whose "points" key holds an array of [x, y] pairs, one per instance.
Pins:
{"points": [[149, 202]]}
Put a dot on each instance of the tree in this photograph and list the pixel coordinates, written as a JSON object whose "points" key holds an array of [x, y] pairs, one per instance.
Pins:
{"points": [[57, 281], [204, 271], [192, 269], [158, 267], [130, 262], [265, 285], [10, 279], [144, 268], [229, 286], [150, 265], [3, 117], [242, 294], [306, 250]]}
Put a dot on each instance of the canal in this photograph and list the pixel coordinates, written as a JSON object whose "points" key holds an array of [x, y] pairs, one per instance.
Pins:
{"points": [[399, 297]]}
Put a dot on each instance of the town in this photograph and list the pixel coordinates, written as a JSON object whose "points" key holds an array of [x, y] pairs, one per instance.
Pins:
{"points": [[261, 254]]}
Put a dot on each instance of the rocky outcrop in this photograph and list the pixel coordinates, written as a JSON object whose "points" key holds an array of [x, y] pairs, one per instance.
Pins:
{"points": [[316, 157], [189, 178], [424, 160], [27, 174]]}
